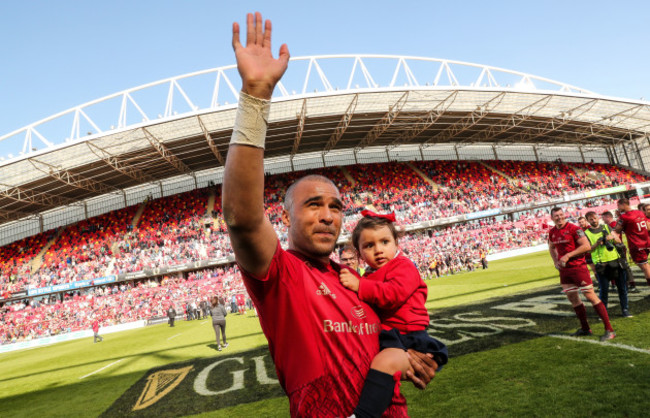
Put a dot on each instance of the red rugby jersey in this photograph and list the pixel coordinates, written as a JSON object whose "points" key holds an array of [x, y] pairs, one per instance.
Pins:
{"points": [[322, 337], [565, 240], [398, 293], [635, 226]]}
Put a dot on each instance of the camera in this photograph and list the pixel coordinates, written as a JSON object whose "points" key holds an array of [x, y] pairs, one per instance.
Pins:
{"points": [[606, 243]]}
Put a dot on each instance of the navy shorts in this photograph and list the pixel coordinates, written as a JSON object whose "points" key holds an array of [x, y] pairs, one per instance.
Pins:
{"points": [[417, 340]]}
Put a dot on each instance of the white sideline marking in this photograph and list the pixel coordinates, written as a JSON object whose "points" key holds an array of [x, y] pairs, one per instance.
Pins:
{"points": [[97, 371], [603, 343], [204, 322], [174, 336]]}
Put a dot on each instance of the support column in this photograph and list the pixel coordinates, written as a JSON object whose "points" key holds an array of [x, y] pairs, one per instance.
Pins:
{"points": [[638, 155], [627, 157]]}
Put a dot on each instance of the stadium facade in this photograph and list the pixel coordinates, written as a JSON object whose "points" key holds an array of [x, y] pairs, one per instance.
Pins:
{"points": [[172, 135]]}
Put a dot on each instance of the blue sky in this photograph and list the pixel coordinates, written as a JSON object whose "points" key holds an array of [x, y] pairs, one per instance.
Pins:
{"points": [[58, 54]]}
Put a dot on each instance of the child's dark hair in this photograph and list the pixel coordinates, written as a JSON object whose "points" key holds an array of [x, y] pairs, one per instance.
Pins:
{"points": [[368, 222]]}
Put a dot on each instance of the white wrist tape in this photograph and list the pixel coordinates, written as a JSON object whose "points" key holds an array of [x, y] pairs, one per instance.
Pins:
{"points": [[251, 121]]}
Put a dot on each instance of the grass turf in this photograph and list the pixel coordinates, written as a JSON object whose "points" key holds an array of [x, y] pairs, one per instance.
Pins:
{"points": [[539, 377]]}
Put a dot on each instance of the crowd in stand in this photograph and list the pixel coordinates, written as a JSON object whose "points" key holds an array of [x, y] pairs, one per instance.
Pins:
{"points": [[181, 229], [178, 230], [116, 304]]}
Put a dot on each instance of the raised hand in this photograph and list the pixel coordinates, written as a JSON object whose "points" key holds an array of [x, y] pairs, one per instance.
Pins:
{"points": [[259, 71], [349, 280]]}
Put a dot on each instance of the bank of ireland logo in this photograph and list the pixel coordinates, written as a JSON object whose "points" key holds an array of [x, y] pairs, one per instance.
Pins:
{"points": [[358, 312]]}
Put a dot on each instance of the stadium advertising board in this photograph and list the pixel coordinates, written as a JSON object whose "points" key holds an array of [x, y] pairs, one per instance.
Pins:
{"points": [[75, 335], [607, 191], [64, 287], [483, 214]]}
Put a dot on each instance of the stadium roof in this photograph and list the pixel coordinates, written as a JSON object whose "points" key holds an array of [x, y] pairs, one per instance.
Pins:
{"points": [[180, 127]]}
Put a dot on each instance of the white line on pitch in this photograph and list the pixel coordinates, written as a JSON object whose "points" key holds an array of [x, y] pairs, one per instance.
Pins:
{"points": [[204, 322], [174, 336], [97, 371], [606, 344]]}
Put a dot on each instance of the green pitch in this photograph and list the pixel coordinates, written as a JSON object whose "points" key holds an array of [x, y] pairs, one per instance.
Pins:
{"points": [[504, 326]]}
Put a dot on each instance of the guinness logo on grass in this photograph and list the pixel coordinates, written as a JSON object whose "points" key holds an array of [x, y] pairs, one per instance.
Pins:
{"points": [[160, 384], [200, 386]]}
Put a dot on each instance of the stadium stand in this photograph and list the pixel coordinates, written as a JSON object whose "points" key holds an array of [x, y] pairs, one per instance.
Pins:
{"points": [[181, 229]]}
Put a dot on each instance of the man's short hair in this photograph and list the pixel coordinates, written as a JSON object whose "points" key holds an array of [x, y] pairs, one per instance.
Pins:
{"points": [[288, 196], [641, 206], [623, 201], [607, 213], [590, 213], [583, 217], [555, 209]]}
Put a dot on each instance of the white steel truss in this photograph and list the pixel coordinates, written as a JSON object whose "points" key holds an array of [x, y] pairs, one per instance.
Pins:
{"points": [[306, 76]]}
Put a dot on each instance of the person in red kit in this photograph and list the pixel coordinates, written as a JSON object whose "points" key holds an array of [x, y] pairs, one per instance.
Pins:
{"points": [[567, 244], [635, 225], [241, 303], [608, 218], [393, 286], [96, 335], [321, 336]]}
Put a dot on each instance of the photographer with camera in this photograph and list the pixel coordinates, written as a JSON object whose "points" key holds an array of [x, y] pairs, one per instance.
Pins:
{"points": [[607, 260]]}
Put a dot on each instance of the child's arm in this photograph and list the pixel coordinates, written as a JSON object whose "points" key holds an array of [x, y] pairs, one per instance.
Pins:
{"points": [[349, 280], [400, 283]]}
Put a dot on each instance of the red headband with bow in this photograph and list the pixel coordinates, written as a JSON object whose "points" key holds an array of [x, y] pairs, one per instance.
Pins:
{"points": [[370, 214]]}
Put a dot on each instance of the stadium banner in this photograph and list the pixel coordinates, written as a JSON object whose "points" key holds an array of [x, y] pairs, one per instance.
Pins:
{"points": [[103, 280], [70, 336], [609, 190], [483, 214], [69, 286], [211, 383], [19, 294]]}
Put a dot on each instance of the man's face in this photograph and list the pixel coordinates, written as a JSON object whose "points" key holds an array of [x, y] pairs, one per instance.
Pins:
{"points": [[559, 218], [608, 219], [350, 259], [593, 220], [314, 219], [583, 223]]}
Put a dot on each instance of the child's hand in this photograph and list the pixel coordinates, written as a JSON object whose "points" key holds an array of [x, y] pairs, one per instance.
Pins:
{"points": [[349, 280]]}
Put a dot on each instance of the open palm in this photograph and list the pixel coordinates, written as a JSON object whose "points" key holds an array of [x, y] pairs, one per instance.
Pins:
{"points": [[259, 71]]}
